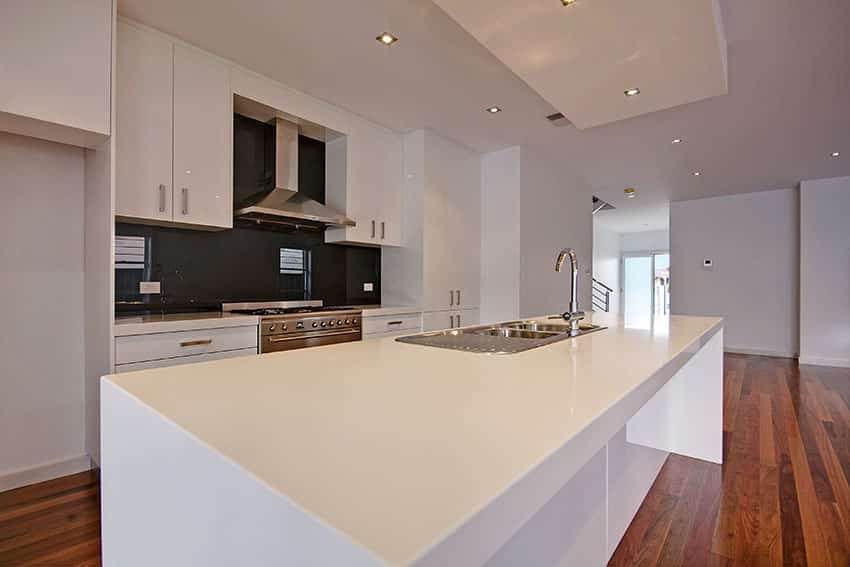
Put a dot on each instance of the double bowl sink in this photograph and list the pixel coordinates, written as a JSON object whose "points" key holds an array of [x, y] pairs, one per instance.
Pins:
{"points": [[502, 338]]}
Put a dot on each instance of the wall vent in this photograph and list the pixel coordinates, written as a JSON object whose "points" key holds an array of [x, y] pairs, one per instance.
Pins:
{"points": [[558, 119]]}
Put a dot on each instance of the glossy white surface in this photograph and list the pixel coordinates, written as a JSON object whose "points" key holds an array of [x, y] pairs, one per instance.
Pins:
{"points": [[417, 432], [146, 324], [383, 310]]}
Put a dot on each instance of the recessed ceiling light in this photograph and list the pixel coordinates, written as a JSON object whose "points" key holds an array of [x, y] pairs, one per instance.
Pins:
{"points": [[632, 92], [677, 141], [494, 109], [697, 173], [836, 154], [387, 38], [630, 192], [568, 2]]}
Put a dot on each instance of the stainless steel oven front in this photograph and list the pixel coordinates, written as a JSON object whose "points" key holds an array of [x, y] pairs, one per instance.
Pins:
{"points": [[294, 331]]}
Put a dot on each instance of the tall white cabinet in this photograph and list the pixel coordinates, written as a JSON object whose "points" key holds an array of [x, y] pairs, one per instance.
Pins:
{"points": [[174, 133], [439, 267]]}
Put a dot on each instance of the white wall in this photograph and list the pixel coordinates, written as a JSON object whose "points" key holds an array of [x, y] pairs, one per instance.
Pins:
{"points": [[753, 240], [606, 262], [42, 393], [500, 235], [555, 213], [648, 241], [825, 272]]}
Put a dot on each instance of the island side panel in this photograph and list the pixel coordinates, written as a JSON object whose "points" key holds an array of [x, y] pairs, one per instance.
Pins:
{"points": [[168, 499], [686, 415]]}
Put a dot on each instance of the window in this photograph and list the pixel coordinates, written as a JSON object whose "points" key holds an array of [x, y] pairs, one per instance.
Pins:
{"points": [[292, 261], [294, 274], [130, 252]]}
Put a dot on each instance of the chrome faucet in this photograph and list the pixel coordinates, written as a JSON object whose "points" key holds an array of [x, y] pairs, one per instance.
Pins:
{"points": [[573, 315]]}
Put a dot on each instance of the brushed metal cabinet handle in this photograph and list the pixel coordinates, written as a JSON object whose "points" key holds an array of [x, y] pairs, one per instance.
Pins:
{"points": [[383, 230], [199, 342], [301, 338], [162, 197], [458, 297], [185, 192], [394, 322], [451, 297], [458, 320]]}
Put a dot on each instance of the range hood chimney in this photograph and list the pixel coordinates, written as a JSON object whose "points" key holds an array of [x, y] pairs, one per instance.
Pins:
{"points": [[284, 205]]}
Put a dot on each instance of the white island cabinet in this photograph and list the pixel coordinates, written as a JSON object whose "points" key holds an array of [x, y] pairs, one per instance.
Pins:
{"points": [[408, 454], [55, 68], [174, 134]]}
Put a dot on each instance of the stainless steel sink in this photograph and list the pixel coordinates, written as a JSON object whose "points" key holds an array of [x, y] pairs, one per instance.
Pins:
{"points": [[502, 338]]}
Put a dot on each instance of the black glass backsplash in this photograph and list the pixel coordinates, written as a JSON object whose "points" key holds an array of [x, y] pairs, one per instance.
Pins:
{"points": [[199, 270]]}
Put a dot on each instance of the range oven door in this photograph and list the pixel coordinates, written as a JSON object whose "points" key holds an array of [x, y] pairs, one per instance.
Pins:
{"points": [[277, 343]]}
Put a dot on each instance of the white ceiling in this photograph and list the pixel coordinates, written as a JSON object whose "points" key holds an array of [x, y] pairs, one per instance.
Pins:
{"points": [[583, 57], [786, 111]]}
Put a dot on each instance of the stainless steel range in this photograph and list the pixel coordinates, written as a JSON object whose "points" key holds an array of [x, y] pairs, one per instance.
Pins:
{"points": [[289, 325]]}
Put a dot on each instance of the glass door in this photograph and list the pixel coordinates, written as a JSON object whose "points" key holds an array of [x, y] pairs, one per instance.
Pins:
{"points": [[646, 287]]}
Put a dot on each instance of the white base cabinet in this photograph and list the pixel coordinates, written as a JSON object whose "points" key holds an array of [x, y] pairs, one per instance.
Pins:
{"points": [[174, 133], [439, 320]]}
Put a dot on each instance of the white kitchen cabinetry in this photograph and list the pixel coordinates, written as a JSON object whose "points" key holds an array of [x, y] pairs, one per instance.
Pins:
{"points": [[56, 60], [452, 219], [136, 352], [174, 133], [439, 320], [391, 325], [363, 178]]}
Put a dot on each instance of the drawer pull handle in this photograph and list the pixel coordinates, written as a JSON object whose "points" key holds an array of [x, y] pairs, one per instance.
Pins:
{"points": [[394, 322], [199, 342], [305, 337]]}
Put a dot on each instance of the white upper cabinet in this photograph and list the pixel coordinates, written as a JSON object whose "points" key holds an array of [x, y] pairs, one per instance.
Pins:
{"points": [[203, 140], [174, 133], [364, 180], [143, 159], [55, 60]]}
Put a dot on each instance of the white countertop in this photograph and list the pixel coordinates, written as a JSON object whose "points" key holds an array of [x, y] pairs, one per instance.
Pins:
{"points": [[405, 443], [171, 322]]}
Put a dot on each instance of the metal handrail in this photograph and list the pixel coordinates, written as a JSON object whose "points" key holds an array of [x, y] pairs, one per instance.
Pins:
{"points": [[601, 296]]}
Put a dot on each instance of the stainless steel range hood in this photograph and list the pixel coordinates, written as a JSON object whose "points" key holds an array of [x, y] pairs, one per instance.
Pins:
{"points": [[284, 205]]}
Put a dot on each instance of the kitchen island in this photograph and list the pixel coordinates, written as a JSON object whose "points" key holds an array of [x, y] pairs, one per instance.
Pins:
{"points": [[379, 452]]}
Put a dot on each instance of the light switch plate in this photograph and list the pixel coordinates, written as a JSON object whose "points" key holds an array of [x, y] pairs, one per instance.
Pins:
{"points": [[369, 286], [708, 263], [148, 288]]}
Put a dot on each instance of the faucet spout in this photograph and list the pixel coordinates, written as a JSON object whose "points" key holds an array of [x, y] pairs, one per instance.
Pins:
{"points": [[574, 315]]}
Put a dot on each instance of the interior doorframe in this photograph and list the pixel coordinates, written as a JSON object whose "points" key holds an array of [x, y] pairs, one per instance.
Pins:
{"points": [[639, 254]]}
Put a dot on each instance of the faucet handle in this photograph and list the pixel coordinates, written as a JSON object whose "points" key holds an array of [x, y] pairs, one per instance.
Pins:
{"points": [[572, 316]]}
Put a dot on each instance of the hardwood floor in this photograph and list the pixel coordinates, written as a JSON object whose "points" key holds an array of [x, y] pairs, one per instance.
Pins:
{"points": [[781, 498], [54, 523]]}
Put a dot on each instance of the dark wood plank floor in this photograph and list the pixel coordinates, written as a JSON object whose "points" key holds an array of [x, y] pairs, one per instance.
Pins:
{"points": [[54, 523], [781, 498]]}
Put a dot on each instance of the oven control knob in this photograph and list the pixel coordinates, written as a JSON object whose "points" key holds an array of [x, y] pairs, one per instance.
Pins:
{"points": [[283, 327], [348, 321], [271, 328], [315, 324], [354, 321], [332, 323], [339, 322]]}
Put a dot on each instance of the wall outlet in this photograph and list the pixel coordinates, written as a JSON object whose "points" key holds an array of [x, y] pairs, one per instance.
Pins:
{"points": [[369, 286], [149, 288], [708, 263]]}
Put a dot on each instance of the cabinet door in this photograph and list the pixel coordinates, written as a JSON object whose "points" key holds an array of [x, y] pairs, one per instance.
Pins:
{"points": [[203, 140], [55, 60], [144, 123], [438, 320], [467, 318]]}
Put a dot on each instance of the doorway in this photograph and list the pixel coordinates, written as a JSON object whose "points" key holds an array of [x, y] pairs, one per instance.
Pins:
{"points": [[646, 287]]}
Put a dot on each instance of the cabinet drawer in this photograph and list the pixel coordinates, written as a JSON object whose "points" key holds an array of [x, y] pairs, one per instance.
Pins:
{"points": [[120, 368], [142, 348], [392, 323]]}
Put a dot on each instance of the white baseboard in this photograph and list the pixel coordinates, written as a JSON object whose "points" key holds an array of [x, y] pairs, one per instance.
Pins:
{"points": [[47, 471], [824, 361], [759, 352]]}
